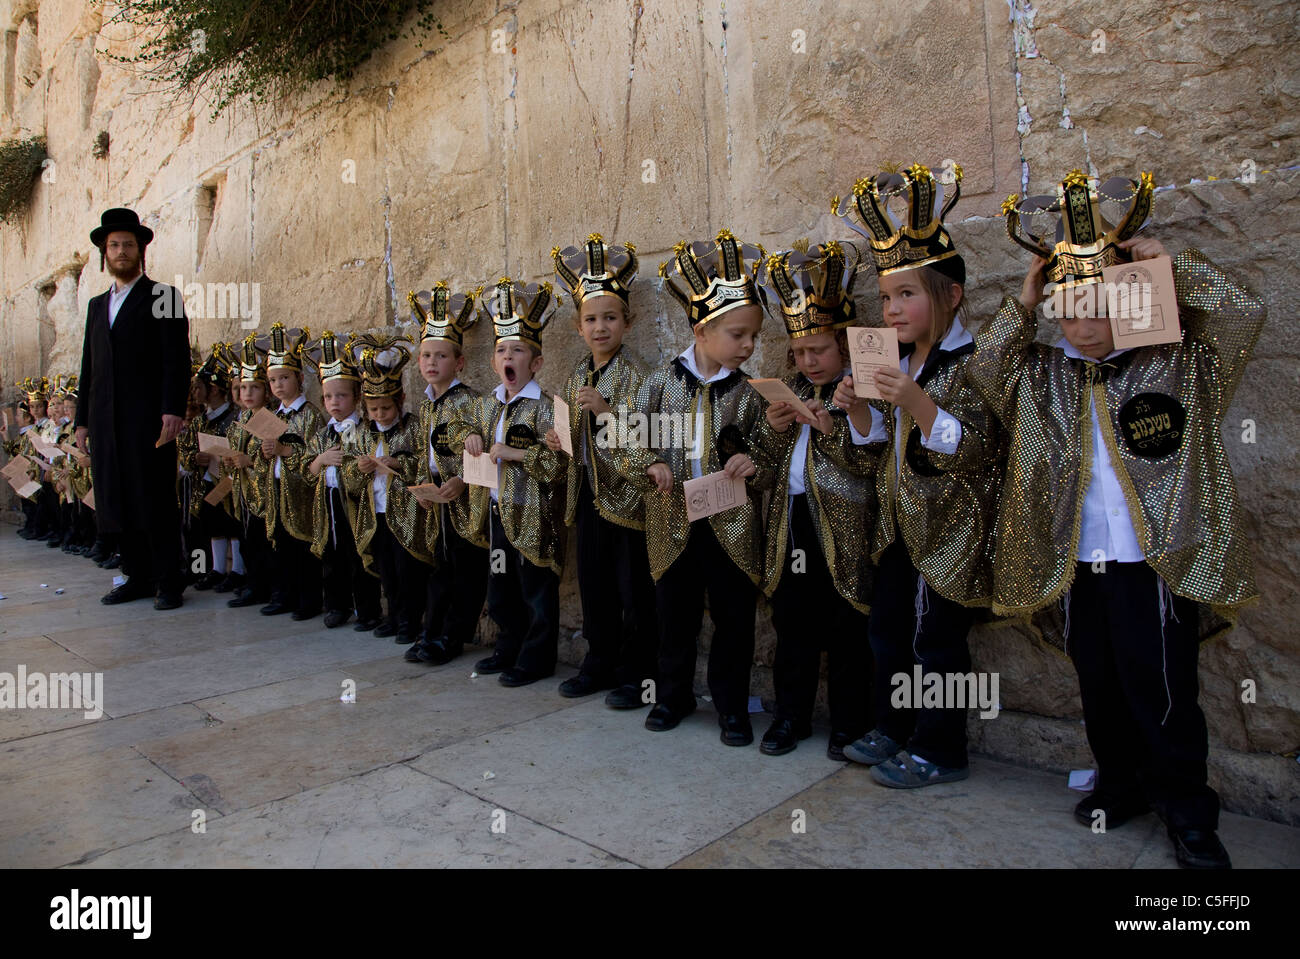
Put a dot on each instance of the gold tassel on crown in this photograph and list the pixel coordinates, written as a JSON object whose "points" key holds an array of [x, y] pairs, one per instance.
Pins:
{"points": [[282, 355], [68, 387], [381, 361], [811, 291], [1083, 242], [336, 361], [215, 369], [519, 312], [36, 388], [913, 236], [718, 275], [443, 316], [596, 269]]}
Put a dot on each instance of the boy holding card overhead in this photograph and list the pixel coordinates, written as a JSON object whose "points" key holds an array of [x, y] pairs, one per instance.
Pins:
{"points": [[619, 619], [710, 411], [508, 426], [823, 506], [459, 578], [937, 485], [1119, 500]]}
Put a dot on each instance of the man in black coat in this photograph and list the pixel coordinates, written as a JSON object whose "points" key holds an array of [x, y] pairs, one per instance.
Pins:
{"points": [[135, 375]]}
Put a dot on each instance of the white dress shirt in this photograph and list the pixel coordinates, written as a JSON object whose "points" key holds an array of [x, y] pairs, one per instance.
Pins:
{"points": [[380, 483], [1106, 530], [799, 458], [533, 392], [340, 427], [284, 410], [428, 391], [945, 434], [688, 358], [116, 297]]}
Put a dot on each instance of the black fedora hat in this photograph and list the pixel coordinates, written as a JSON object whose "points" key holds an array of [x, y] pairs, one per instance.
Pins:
{"points": [[120, 218]]}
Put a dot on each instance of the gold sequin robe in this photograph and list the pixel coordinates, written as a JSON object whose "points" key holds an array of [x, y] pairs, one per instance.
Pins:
{"points": [[406, 519], [290, 498], [436, 417]]}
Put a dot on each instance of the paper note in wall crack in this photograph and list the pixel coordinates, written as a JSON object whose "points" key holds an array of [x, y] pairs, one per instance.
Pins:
{"points": [[712, 493], [562, 421], [479, 470], [871, 348]]}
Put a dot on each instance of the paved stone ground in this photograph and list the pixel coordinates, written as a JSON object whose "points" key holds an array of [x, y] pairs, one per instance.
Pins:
{"points": [[240, 716]]}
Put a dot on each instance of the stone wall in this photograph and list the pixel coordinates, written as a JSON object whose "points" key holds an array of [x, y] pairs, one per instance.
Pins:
{"points": [[532, 124]]}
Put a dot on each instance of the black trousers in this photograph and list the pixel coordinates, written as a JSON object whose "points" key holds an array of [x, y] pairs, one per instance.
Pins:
{"points": [[155, 554], [256, 551], [295, 573], [214, 521], [1135, 647], [524, 601], [403, 578], [809, 615], [910, 623], [457, 585], [704, 568], [346, 583], [47, 509], [619, 619]]}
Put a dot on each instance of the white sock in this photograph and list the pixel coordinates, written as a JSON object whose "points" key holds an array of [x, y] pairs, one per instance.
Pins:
{"points": [[919, 759], [219, 556], [236, 558]]}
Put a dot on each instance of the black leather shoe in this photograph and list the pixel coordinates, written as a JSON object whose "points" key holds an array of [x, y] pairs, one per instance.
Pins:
{"points": [[337, 617], [275, 609], [245, 597], [495, 663], [366, 625], [168, 601], [575, 687], [128, 591], [96, 554], [781, 737], [232, 582], [384, 630], [113, 562], [514, 676], [1199, 849], [624, 697], [438, 651], [208, 581], [412, 654], [1118, 809], [736, 730], [54, 541], [663, 717], [404, 639], [835, 748], [303, 614]]}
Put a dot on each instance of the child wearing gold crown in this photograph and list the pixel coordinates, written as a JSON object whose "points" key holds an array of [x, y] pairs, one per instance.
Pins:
{"points": [[721, 555], [216, 523], [1128, 515], [82, 517], [823, 505], [296, 584], [619, 620], [526, 530], [348, 585], [249, 472], [458, 581], [391, 529], [937, 485], [32, 527]]}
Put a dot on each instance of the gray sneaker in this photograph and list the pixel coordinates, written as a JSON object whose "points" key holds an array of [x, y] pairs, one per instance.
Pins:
{"points": [[873, 748], [904, 772]]}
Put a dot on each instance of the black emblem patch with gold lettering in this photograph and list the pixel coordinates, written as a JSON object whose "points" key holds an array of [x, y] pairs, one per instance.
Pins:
{"points": [[440, 440], [1152, 425], [520, 437]]}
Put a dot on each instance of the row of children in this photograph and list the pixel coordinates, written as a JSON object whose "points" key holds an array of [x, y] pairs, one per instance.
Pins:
{"points": [[992, 471]]}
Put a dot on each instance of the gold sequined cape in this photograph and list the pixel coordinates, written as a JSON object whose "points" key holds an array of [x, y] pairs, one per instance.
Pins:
{"points": [[406, 519], [731, 411], [617, 500], [324, 439], [187, 451], [532, 496], [251, 484], [944, 504], [289, 504], [1160, 409], [436, 417], [840, 488]]}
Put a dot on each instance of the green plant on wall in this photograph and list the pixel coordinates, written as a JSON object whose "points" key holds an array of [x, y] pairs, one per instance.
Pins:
{"points": [[264, 50], [20, 165]]}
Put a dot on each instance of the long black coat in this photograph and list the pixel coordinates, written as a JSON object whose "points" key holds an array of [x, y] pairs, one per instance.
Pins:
{"points": [[131, 375]]}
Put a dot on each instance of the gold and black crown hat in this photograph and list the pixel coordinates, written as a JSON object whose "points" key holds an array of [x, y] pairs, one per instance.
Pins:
{"points": [[282, 354], [37, 388], [518, 311], [381, 360], [215, 369], [196, 358], [811, 290], [443, 315], [248, 364], [596, 269], [1083, 242], [717, 275], [71, 386], [915, 235], [336, 361]]}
